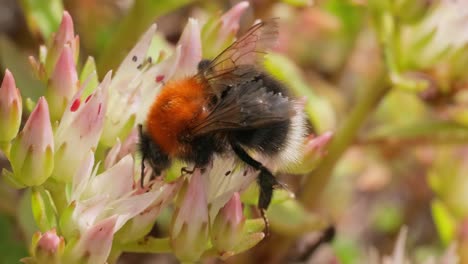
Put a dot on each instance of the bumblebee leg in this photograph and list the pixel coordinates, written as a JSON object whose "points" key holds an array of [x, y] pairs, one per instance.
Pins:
{"points": [[327, 236], [265, 180], [143, 157]]}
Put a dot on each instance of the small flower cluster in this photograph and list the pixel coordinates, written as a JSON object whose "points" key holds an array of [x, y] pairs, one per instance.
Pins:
{"points": [[426, 48], [76, 152]]}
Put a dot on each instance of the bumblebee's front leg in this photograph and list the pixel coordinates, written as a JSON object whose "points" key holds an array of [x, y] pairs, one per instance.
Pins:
{"points": [[153, 154], [143, 154]]}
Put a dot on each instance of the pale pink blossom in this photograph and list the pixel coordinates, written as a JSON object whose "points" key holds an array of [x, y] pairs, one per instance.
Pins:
{"points": [[190, 224], [79, 130], [112, 198], [224, 177], [226, 229], [94, 245], [138, 80]]}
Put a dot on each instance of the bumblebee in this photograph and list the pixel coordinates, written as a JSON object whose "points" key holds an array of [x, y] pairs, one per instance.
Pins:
{"points": [[230, 107]]}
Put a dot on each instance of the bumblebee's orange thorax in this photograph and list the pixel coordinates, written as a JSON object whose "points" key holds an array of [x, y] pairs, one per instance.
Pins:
{"points": [[178, 104]]}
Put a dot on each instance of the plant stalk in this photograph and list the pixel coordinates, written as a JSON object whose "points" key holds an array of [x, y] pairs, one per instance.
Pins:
{"points": [[317, 180], [148, 245]]}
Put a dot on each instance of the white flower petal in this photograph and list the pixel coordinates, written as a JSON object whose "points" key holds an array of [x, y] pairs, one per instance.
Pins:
{"points": [[191, 52], [153, 79], [136, 56], [226, 176], [111, 157], [82, 176], [116, 181], [130, 207], [87, 212], [95, 244]]}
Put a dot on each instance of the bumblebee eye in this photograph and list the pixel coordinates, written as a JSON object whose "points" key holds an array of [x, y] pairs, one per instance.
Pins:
{"points": [[204, 65]]}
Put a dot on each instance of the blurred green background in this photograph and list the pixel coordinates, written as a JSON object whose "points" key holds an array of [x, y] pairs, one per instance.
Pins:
{"points": [[386, 76]]}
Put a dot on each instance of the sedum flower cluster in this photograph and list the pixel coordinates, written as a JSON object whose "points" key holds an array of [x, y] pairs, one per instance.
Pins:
{"points": [[76, 152]]}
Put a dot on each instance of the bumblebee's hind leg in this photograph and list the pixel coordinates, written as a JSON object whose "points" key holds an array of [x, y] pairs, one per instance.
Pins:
{"points": [[265, 180]]}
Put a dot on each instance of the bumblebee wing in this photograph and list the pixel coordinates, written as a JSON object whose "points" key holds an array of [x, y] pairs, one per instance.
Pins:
{"points": [[247, 50], [245, 106]]}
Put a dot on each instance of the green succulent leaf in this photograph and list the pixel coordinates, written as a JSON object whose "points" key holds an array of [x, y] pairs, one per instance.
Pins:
{"points": [[290, 218], [44, 210], [444, 221], [43, 16], [89, 77]]}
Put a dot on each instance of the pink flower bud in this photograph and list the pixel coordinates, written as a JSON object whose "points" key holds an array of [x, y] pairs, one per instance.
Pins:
{"points": [[66, 32], [316, 145], [64, 36], [315, 149], [227, 227], [219, 33], [32, 151], [230, 20], [50, 242], [46, 248], [10, 108], [189, 230], [63, 83]]}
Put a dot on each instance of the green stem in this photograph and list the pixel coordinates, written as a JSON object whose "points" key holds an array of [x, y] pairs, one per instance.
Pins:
{"points": [[8, 199], [148, 245], [318, 179], [114, 255], [432, 132], [57, 191], [5, 146]]}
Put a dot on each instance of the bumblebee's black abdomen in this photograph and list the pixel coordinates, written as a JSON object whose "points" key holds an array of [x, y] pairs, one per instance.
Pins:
{"points": [[268, 140], [272, 84], [272, 138]]}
